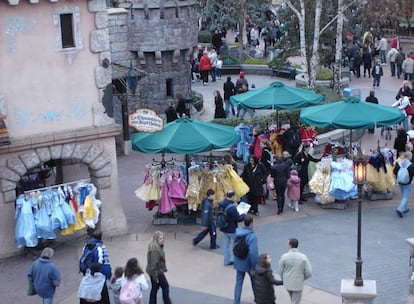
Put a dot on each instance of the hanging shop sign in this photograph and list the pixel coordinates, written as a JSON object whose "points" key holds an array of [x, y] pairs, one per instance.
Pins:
{"points": [[145, 120]]}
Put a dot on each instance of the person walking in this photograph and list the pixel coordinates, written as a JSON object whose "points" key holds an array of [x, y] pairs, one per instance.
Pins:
{"points": [[254, 175], [280, 172], [399, 61], [181, 109], [294, 269], [408, 68], [401, 104], [371, 98], [301, 161], [93, 288], [99, 254], [265, 281], [116, 283], [207, 220], [247, 264], [229, 90], [242, 86], [382, 48], [404, 179], [219, 110], [133, 272], [156, 268], [377, 73], [293, 193], [392, 57], [45, 276], [204, 67], [367, 60], [229, 232]]}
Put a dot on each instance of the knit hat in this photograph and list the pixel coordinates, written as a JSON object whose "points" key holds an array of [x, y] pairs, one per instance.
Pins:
{"points": [[293, 172], [241, 74], [47, 252]]}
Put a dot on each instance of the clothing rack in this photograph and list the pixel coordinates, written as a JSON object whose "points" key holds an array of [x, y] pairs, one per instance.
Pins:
{"points": [[85, 180], [163, 162]]}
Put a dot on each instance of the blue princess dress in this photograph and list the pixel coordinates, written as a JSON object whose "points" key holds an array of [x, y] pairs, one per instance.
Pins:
{"points": [[25, 230]]}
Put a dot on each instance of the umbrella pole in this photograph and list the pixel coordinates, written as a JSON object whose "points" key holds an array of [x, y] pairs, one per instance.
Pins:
{"points": [[350, 144], [187, 164]]}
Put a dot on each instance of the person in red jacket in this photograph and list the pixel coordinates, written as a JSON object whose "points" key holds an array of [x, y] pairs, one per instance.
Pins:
{"points": [[204, 67]]}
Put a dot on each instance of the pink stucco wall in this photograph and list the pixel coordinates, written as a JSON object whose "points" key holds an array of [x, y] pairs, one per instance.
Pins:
{"points": [[43, 91]]}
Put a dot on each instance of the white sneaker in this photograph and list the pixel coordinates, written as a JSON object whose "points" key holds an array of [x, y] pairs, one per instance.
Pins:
{"points": [[290, 206], [297, 209]]}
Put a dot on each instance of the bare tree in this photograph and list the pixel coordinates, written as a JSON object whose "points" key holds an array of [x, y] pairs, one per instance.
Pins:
{"points": [[309, 63]]}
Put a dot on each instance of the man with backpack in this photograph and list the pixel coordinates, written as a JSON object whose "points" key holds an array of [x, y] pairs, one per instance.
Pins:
{"points": [[245, 256], [228, 226], [95, 251], [404, 171], [207, 220]]}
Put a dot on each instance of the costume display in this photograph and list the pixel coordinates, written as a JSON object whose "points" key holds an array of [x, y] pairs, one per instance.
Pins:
{"points": [[64, 209], [334, 180]]}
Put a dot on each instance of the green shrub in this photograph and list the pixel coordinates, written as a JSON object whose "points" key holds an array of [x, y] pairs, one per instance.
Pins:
{"points": [[204, 37], [255, 61], [324, 74]]}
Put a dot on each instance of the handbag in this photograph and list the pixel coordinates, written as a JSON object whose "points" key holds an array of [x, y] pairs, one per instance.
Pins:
{"points": [[31, 291], [409, 109]]}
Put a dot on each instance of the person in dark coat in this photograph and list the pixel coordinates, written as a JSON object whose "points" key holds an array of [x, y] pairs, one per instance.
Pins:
{"points": [[181, 109], [400, 141], [207, 220], [301, 161], [367, 61], [229, 232], [254, 175], [219, 110], [229, 90], [263, 275], [280, 171], [371, 98], [171, 112]]}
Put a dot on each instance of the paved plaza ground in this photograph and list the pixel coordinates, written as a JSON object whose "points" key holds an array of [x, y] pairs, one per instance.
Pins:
{"points": [[197, 274]]}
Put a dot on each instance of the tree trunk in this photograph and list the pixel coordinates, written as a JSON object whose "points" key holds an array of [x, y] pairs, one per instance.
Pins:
{"points": [[301, 17], [338, 49], [241, 27], [315, 49]]}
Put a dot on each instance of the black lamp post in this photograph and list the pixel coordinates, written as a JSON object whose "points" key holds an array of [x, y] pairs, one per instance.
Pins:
{"points": [[131, 86], [188, 103], [360, 174]]}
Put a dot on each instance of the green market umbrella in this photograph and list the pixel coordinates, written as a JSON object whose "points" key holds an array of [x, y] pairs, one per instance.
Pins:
{"points": [[186, 136], [351, 113], [277, 96]]}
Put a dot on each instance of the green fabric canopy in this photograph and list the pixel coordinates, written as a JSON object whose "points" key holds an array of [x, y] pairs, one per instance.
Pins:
{"points": [[277, 96], [186, 136], [351, 113]]}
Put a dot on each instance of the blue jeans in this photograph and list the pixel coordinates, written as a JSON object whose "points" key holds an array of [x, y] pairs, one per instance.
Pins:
{"points": [[383, 55], [227, 106], [239, 285], [405, 191], [47, 300], [228, 246], [163, 283], [405, 123], [377, 79], [213, 236]]}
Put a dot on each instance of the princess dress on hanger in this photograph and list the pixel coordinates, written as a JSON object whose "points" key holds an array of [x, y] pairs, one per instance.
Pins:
{"points": [[25, 229], [166, 205], [342, 185], [142, 190], [320, 182], [176, 187], [154, 191], [237, 183], [193, 190], [42, 219]]}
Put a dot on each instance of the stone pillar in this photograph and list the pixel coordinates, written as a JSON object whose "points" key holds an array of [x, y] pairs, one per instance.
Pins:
{"points": [[352, 294], [410, 243]]}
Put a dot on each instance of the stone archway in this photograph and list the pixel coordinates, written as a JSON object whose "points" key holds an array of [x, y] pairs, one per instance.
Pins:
{"points": [[92, 155]]}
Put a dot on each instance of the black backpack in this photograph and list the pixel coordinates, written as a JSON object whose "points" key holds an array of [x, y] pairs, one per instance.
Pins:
{"points": [[240, 247], [222, 217]]}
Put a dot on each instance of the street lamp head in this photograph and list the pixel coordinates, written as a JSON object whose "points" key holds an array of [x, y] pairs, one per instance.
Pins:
{"points": [[132, 80], [360, 168]]}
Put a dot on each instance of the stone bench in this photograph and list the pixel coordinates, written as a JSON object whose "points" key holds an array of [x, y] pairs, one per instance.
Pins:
{"points": [[284, 71], [230, 69]]}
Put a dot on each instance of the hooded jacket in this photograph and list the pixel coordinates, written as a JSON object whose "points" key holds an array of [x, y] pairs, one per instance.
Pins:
{"points": [[265, 280], [233, 216], [249, 263]]}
